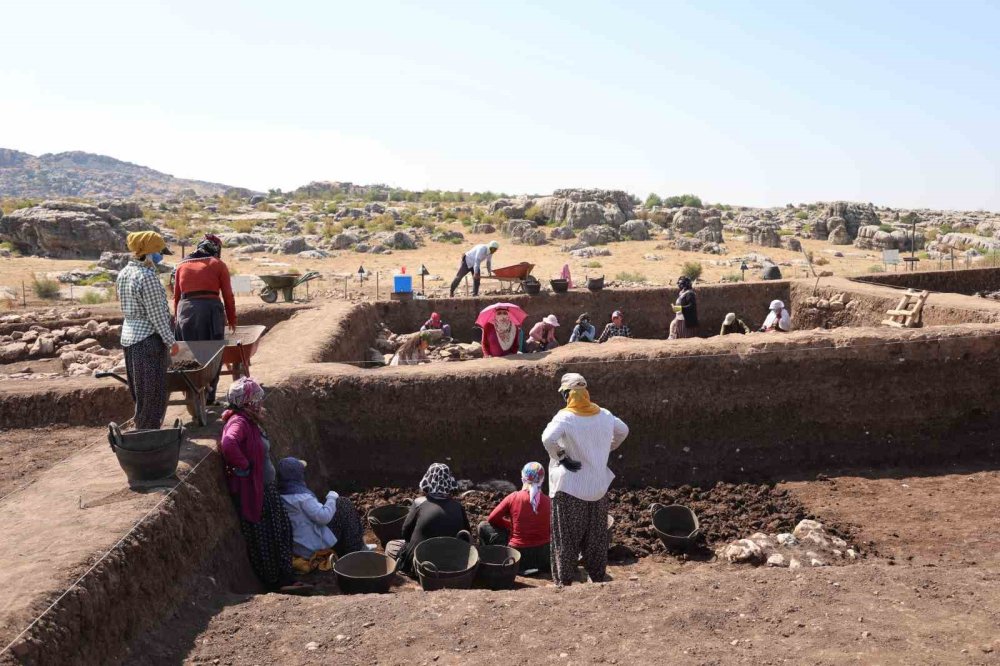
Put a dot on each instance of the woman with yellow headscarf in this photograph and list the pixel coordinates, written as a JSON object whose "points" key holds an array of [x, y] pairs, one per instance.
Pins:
{"points": [[579, 441], [147, 336]]}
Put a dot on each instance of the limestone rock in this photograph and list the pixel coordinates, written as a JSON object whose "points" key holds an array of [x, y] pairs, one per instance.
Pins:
{"points": [[776, 560], [563, 233], [688, 220], [62, 230], [483, 228], [599, 235], [635, 230], [743, 551]]}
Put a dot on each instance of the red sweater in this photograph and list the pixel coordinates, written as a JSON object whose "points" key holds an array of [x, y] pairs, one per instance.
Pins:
{"points": [[527, 528], [208, 274]]}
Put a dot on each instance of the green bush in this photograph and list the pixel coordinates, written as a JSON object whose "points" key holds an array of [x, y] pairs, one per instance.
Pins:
{"points": [[785, 232], [45, 288], [94, 279], [802, 215], [888, 228], [732, 277], [535, 214], [691, 269], [630, 276], [653, 200], [95, 297], [682, 200], [821, 261], [875, 268], [591, 264]]}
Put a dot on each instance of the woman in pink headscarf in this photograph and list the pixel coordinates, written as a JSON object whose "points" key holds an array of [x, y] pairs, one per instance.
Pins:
{"points": [[501, 336], [252, 482], [521, 521]]}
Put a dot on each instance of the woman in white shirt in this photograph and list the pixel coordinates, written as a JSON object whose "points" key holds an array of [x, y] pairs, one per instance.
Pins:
{"points": [[579, 440], [777, 319]]}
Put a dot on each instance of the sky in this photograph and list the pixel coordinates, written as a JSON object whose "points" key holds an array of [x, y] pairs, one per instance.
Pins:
{"points": [[758, 104]]}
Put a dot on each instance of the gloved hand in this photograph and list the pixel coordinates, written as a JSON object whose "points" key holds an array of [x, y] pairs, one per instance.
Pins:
{"points": [[332, 495], [570, 464]]}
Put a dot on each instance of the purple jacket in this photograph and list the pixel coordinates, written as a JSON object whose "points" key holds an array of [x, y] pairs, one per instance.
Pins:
{"points": [[242, 448]]}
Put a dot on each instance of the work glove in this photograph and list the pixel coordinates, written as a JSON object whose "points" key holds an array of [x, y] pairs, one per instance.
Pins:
{"points": [[570, 464], [332, 495]]}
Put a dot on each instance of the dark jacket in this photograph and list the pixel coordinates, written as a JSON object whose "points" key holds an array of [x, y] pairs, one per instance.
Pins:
{"points": [[429, 519], [689, 308], [738, 326]]}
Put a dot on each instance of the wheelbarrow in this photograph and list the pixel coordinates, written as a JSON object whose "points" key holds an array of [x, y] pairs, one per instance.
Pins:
{"points": [[512, 278], [194, 382], [240, 346], [286, 283]]}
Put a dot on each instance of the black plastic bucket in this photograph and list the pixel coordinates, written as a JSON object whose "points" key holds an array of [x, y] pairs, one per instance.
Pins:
{"points": [[387, 522], [365, 572], [676, 525], [445, 562], [498, 566]]}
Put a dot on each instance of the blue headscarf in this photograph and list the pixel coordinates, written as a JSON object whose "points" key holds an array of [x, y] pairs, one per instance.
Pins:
{"points": [[292, 475]]}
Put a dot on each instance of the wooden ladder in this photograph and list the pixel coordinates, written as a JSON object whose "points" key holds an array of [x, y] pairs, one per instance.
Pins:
{"points": [[907, 313]]}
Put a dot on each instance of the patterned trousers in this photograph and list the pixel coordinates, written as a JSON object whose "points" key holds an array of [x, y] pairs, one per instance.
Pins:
{"points": [[269, 542], [146, 364], [579, 527]]}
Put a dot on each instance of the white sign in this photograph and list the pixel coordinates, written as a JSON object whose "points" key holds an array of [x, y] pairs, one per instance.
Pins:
{"points": [[241, 284], [890, 257]]}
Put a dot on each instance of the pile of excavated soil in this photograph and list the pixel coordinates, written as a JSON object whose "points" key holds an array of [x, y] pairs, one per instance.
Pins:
{"points": [[726, 511]]}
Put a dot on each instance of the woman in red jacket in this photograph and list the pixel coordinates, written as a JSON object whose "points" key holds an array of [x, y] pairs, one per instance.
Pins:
{"points": [[521, 521], [200, 313]]}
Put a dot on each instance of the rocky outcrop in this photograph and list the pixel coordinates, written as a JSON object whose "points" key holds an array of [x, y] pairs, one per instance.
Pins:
{"points": [[842, 220], [599, 235], [63, 230], [688, 221], [961, 242], [635, 230], [585, 208]]}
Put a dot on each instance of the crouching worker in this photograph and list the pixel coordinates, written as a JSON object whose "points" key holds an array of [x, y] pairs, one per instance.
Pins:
{"points": [[521, 521], [579, 441], [320, 532], [440, 515], [436, 324]]}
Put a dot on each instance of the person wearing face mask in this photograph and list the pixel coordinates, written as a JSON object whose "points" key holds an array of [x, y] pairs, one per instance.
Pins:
{"points": [[199, 312], [579, 441], [146, 337], [501, 336]]}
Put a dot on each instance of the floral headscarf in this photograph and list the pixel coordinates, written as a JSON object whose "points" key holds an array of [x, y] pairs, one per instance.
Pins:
{"points": [[245, 393], [532, 476], [438, 481]]}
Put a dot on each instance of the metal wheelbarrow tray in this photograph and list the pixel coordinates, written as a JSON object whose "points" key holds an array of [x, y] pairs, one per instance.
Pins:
{"points": [[286, 283], [240, 347], [512, 278]]}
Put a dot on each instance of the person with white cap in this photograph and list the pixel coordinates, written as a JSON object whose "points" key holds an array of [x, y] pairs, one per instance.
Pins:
{"points": [[579, 441], [472, 263], [777, 319], [733, 324], [616, 328], [543, 335]]}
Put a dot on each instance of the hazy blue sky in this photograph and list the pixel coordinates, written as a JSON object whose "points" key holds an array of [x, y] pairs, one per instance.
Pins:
{"points": [[756, 103]]}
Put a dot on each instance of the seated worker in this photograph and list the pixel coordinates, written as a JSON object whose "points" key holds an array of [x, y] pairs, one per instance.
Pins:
{"points": [[733, 324], [439, 515], [543, 335], [584, 331], [616, 328], [413, 351], [777, 319], [521, 521], [435, 323], [501, 337], [320, 532]]}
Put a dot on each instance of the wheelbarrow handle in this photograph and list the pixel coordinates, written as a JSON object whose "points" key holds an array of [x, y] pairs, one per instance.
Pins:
{"points": [[654, 507], [113, 375]]}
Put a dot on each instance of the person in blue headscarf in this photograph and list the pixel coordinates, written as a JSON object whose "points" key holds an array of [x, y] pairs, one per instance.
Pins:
{"points": [[321, 531]]}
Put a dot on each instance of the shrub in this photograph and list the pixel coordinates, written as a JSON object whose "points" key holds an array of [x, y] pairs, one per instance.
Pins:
{"points": [[682, 200], [242, 226], [331, 228], [653, 200], [45, 288], [875, 268], [945, 228], [785, 232], [7, 245], [534, 213], [630, 276], [888, 228], [95, 297], [821, 261], [802, 215], [732, 277], [691, 269], [591, 264], [310, 228], [94, 279]]}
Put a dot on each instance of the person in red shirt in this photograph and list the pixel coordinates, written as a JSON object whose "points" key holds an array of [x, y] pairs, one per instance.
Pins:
{"points": [[521, 521], [199, 312]]}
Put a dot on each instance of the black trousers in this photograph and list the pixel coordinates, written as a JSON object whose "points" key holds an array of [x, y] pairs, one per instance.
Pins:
{"points": [[535, 557], [463, 270], [202, 319]]}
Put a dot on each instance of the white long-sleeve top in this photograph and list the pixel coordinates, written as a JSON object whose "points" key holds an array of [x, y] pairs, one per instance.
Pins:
{"points": [[309, 521], [477, 255], [784, 322], [588, 440]]}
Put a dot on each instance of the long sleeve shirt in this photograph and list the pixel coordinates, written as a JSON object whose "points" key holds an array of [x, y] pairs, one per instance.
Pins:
{"points": [[539, 333], [527, 528], [208, 274], [612, 331], [583, 333], [309, 520], [477, 255], [144, 305], [588, 440], [773, 322]]}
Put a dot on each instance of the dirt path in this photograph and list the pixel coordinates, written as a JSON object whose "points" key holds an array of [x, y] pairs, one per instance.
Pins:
{"points": [[26, 453]]}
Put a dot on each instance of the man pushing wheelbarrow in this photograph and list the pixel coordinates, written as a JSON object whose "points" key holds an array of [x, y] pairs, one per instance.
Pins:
{"points": [[472, 263]]}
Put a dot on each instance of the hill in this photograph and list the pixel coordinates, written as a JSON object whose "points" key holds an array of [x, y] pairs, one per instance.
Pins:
{"points": [[79, 174]]}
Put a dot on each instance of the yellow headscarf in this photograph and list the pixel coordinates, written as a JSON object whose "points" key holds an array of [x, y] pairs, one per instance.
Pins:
{"points": [[145, 242], [579, 403]]}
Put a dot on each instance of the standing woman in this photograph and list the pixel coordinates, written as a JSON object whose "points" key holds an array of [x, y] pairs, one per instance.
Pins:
{"points": [[687, 326], [146, 336], [198, 281], [252, 482], [579, 441]]}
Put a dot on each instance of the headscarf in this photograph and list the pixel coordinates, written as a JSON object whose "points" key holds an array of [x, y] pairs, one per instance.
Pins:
{"points": [[684, 283], [435, 317], [292, 477], [776, 305], [141, 243], [507, 334], [532, 476], [730, 319], [244, 394], [209, 248], [438, 481], [578, 401]]}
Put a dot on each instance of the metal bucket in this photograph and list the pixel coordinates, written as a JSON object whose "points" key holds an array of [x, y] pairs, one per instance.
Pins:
{"points": [[676, 525], [147, 455], [498, 566], [445, 562], [387, 522], [365, 572]]}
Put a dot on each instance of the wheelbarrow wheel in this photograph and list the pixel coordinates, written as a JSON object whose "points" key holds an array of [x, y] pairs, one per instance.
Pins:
{"points": [[268, 295], [195, 401]]}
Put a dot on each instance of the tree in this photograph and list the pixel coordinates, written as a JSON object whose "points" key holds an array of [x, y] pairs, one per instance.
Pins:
{"points": [[653, 200]]}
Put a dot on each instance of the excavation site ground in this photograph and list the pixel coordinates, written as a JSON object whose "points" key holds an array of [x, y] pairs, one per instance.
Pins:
{"points": [[887, 436]]}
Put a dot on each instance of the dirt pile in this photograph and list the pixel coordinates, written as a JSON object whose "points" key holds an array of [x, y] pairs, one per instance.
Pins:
{"points": [[726, 511]]}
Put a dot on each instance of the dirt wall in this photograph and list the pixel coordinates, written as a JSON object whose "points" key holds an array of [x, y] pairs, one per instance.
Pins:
{"points": [[763, 407], [36, 403], [964, 281], [647, 311]]}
